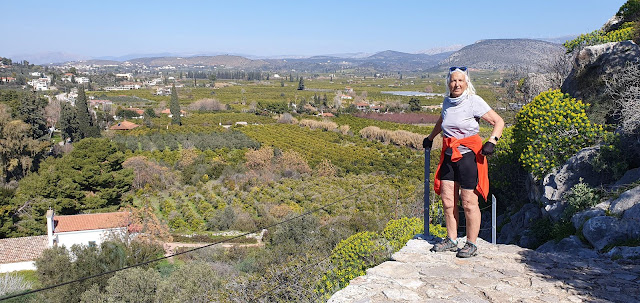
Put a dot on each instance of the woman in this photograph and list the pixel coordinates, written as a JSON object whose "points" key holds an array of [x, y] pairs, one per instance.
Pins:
{"points": [[462, 172]]}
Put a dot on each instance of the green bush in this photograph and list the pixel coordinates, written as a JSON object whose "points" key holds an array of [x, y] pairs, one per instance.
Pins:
{"points": [[630, 11], [625, 32], [610, 160], [545, 230], [350, 259], [581, 197], [506, 173], [550, 129], [398, 232]]}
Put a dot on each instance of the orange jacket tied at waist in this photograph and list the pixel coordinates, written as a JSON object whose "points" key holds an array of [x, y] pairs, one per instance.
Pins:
{"points": [[475, 144]]}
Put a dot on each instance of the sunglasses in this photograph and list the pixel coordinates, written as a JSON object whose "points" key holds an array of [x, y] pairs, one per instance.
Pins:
{"points": [[453, 68]]}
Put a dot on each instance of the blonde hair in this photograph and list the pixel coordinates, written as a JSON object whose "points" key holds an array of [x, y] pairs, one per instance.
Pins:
{"points": [[470, 89]]}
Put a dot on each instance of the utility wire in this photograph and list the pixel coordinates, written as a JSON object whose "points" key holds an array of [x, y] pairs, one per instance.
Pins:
{"points": [[206, 246], [193, 249]]}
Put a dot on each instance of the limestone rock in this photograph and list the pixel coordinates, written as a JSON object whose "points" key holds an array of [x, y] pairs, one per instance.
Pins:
{"points": [[605, 230], [518, 223], [560, 181], [632, 213], [612, 24], [625, 252], [627, 200], [629, 177], [592, 66], [570, 245], [554, 211], [579, 218], [499, 273]]}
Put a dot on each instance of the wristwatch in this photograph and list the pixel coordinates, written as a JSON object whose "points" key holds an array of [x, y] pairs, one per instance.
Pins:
{"points": [[495, 138]]}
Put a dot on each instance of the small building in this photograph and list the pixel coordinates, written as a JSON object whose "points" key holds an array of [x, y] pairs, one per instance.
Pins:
{"points": [[376, 108], [87, 229], [39, 84], [104, 105], [167, 112], [362, 105], [124, 125], [20, 253], [82, 80]]}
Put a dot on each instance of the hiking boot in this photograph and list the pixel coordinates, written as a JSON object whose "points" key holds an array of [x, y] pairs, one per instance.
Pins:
{"points": [[445, 245], [469, 250]]}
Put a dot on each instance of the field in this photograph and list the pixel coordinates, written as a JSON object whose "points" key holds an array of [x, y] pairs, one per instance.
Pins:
{"points": [[241, 94]]}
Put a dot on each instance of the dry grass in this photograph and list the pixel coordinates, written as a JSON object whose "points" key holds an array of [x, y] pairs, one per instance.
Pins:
{"points": [[398, 137]]}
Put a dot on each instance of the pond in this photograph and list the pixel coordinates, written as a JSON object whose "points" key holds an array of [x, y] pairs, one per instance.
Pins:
{"points": [[412, 94]]}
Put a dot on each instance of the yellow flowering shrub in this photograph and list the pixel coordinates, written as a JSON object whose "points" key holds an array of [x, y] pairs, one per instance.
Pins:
{"points": [[350, 259], [550, 129], [398, 232], [625, 32]]}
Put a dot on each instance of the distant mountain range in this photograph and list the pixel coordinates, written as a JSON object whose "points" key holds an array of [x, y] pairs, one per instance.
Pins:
{"points": [[504, 54], [494, 54]]}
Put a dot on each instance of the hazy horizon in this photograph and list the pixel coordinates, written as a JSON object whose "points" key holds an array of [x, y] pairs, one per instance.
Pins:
{"points": [[284, 28]]}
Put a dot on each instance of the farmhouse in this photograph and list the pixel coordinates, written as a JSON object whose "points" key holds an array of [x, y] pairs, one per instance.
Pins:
{"points": [[124, 125], [87, 229]]}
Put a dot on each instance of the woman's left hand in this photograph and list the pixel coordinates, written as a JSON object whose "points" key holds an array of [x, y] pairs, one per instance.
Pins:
{"points": [[488, 148]]}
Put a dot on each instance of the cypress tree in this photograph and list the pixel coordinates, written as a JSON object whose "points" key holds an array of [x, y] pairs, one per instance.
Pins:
{"points": [[68, 122], [86, 124], [174, 106], [301, 84]]}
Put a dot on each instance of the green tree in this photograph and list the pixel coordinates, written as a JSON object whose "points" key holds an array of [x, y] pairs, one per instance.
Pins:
{"points": [[193, 282], [174, 107], [59, 264], [132, 285], [90, 177], [31, 111], [301, 84], [414, 105], [18, 150], [68, 123], [86, 123]]}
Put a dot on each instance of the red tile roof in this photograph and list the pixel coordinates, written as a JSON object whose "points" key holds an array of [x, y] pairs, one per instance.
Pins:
{"points": [[22, 249], [90, 221], [124, 125]]}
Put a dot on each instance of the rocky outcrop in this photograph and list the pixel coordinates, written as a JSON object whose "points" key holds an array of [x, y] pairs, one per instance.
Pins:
{"points": [[629, 177], [517, 226], [500, 273], [570, 245], [504, 54], [559, 182], [625, 201], [592, 66]]}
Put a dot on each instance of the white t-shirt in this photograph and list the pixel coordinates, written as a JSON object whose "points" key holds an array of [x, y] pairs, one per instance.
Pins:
{"points": [[460, 117]]}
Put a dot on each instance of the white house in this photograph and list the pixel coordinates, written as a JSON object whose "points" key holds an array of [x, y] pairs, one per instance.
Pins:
{"points": [[39, 84], [82, 80], [88, 229], [20, 253]]}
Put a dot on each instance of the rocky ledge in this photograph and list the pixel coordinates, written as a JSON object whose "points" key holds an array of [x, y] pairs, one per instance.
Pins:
{"points": [[499, 273]]}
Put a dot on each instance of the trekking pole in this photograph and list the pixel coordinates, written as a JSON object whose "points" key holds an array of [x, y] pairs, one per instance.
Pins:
{"points": [[427, 190]]}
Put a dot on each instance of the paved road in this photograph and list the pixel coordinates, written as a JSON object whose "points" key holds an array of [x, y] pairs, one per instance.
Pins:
{"points": [[500, 273]]}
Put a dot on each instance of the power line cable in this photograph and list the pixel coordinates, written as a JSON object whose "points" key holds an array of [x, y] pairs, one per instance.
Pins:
{"points": [[202, 247], [190, 250]]}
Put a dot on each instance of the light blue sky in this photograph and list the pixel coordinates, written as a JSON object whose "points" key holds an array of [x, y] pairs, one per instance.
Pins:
{"points": [[268, 28]]}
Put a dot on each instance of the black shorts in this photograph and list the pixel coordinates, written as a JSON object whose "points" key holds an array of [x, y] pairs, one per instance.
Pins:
{"points": [[465, 171]]}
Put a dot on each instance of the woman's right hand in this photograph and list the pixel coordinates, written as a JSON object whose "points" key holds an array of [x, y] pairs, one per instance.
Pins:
{"points": [[426, 143]]}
